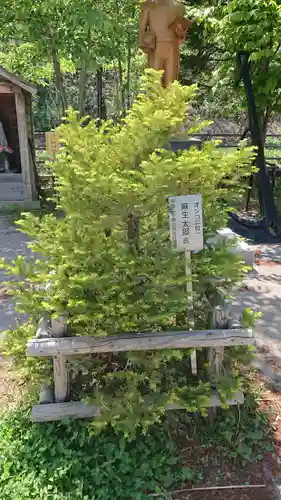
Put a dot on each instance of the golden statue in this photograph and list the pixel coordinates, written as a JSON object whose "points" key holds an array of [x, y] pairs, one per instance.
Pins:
{"points": [[162, 29]]}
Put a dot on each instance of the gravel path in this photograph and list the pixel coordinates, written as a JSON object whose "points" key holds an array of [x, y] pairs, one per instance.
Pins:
{"points": [[12, 244]]}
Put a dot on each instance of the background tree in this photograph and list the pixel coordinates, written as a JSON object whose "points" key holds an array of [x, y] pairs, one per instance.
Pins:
{"points": [[90, 36], [223, 29]]}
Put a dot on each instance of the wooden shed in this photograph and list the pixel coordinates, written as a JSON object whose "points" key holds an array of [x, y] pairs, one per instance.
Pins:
{"points": [[17, 181]]}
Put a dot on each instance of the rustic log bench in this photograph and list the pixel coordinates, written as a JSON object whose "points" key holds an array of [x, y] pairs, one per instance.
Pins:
{"points": [[52, 341]]}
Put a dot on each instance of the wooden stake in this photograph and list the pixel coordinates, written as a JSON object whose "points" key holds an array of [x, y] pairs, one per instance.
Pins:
{"points": [[47, 389], [220, 320], [210, 488], [61, 376], [26, 167], [190, 310]]}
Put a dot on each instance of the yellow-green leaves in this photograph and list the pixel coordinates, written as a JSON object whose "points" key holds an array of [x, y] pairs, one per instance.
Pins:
{"points": [[107, 257]]}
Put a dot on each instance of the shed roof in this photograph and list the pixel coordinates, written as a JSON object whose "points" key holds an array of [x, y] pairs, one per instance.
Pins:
{"points": [[16, 80]]}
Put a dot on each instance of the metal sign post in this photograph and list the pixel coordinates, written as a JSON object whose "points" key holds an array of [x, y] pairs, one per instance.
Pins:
{"points": [[186, 232]]}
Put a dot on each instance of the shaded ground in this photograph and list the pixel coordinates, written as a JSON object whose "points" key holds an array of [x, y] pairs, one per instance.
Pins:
{"points": [[11, 387], [262, 293], [218, 470], [229, 494], [224, 474], [12, 244]]}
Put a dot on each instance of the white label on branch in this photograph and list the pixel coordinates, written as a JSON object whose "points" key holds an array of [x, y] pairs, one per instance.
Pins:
{"points": [[186, 222]]}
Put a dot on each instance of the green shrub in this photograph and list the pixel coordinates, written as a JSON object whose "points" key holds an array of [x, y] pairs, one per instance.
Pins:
{"points": [[64, 461], [242, 433], [109, 263]]}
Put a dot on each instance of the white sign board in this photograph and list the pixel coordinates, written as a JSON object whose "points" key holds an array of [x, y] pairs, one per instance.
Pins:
{"points": [[186, 222]]}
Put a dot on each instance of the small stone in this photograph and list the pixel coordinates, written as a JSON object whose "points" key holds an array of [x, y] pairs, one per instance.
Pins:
{"points": [[3, 293]]}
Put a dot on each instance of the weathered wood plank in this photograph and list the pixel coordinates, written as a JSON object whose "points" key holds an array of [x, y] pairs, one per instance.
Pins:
{"points": [[44, 331], [17, 82], [60, 411], [220, 321], [6, 88], [61, 375], [47, 395], [26, 167], [139, 342], [214, 401]]}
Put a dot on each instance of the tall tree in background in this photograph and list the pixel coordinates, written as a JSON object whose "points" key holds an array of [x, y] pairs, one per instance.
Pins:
{"points": [[42, 24], [252, 29], [221, 31], [89, 35], [240, 48]]}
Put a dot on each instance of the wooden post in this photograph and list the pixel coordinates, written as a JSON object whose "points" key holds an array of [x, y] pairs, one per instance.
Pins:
{"points": [[26, 167], [220, 321], [190, 310], [61, 376], [44, 332]]}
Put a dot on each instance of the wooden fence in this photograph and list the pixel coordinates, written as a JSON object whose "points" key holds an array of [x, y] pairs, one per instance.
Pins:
{"points": [[52, 341]]}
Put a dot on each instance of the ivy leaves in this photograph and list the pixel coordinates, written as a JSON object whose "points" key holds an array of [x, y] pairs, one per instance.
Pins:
{"points": [[66, 462]]}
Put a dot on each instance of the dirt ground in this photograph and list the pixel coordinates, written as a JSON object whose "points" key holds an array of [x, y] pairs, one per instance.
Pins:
{"points": [[224, 475], [218, 472], [11, 386]]}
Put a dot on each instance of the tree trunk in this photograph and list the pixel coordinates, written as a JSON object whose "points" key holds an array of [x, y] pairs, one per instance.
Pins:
{"points": [[267, 204], [120, 70], [117, 93], [266, 121], [121, 85], [101, 107], [84, 74], [133, 233], [59, 82], [82, 87], [129, 63]]}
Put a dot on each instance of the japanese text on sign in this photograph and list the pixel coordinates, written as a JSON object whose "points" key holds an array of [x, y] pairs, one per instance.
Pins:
{"points": [[52, 142], [186, 222]]}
